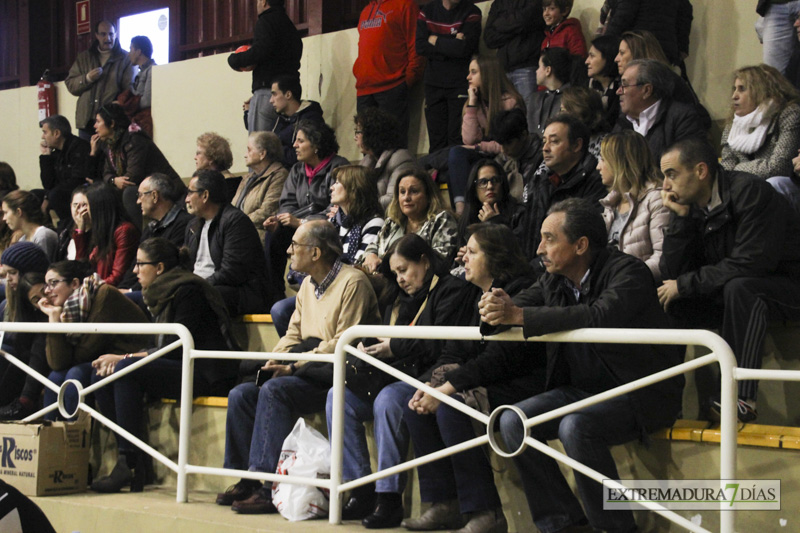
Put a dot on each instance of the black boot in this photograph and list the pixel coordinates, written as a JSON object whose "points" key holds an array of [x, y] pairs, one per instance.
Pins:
{"points": [[122, 475], [360, 504]]}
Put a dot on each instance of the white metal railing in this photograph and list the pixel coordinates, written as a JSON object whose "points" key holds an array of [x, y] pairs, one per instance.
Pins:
{"points": [[720, 353]]}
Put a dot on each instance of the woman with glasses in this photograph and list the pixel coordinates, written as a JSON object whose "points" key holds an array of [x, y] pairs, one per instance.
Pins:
{"points": [[173, 294], [114, 237], [633, 210], [71, 293], [488, 200]]}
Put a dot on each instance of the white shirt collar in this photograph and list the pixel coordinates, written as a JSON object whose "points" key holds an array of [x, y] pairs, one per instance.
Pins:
{"points": [[646, 119]]}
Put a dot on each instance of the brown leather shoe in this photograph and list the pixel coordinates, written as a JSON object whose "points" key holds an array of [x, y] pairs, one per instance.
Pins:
{"points": [[441, 515], [259, 503], [240, 491]]}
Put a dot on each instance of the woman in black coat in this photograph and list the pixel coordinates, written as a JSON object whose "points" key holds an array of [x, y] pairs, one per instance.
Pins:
{"points": [[173, 294]]}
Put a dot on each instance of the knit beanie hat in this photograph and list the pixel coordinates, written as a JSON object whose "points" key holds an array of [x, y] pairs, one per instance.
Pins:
{"points": [[25, 257]]}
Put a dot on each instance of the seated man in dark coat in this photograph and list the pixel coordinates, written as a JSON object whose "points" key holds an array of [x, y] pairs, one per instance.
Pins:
{"points": [[224, 246], [648, 108], [64, 163], [570, 171], [731, 257], [586, 286]]}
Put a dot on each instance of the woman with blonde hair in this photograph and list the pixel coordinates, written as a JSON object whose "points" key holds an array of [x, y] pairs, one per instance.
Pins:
{"points": [[213, 152], [259, 192], [416, 208], [763, 133], [633, 210], [639, 45]]}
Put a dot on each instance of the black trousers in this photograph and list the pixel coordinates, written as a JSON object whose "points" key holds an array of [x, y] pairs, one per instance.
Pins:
{"points": [[741, 314], [393, 101], [443, 106]]}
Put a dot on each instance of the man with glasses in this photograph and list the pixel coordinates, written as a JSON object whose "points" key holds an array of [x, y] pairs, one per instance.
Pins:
{"points": [[224, 246], [332, 298], [157, 197], [647, 107]]}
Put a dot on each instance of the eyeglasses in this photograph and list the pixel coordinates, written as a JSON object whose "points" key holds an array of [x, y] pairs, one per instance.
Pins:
{"points": [[485, 182], [140, 194], [623, 86], [293, 244], [51, 284], [139, 264], [193, 191]]}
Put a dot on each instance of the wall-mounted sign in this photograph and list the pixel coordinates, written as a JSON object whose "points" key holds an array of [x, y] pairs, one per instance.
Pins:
{"points": [[83, 19]]}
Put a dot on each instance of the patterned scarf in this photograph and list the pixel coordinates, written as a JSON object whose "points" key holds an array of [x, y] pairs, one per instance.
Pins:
{"points": [[78, 305], [353, 238]]}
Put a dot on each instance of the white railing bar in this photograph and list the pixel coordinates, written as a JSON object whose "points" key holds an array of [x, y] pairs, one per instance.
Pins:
{"points": [[40, 413], [264, 356], [766, 375], [408, 465], [622, 389], [141, 361], [720, 350], [260, 476], [597, 476], [149, 450], [28, 370], [452, 402], [92, 327]]}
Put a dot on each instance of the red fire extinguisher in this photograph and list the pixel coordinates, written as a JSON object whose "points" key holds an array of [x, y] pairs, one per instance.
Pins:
{"points": [[47, 96]]}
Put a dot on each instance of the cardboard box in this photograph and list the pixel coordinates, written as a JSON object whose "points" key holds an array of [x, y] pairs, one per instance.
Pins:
{"points": [[46, 458]]}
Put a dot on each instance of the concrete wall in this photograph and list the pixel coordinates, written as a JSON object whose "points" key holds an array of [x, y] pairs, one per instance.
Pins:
{"points": [[204, 94]]}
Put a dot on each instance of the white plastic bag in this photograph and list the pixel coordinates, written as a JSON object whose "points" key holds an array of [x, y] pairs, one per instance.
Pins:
{"points": [[305, 453]]}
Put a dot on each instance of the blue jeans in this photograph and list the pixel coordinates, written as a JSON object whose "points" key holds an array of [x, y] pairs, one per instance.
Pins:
{"points": [[788, 189], [260, 419], [587, 436], [391, 435], [467, 475], [281, 314], [778, 34], [81, 373], [524, 80]]}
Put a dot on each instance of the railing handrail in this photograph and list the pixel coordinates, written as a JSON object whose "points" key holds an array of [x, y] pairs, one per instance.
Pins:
{"points": [[721, 353]]}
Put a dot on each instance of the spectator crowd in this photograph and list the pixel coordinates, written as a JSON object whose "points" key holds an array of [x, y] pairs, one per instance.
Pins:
{"points": [[583, 192]]}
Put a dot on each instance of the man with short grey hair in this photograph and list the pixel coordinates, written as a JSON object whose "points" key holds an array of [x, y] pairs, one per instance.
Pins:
{"points": [[648, 108], [63, 164]]}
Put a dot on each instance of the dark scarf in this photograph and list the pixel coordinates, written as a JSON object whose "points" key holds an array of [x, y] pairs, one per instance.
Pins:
{"points": [[353, 237], [160, 294]]}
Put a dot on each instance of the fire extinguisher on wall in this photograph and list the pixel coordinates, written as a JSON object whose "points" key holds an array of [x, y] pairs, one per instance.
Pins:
{"points": [[47, 96]]}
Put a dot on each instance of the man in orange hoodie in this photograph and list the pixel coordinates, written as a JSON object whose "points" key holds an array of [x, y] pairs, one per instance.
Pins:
{"points": [[387, 63]]}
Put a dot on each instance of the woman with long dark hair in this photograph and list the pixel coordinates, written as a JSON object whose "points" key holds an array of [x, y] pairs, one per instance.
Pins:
{"points": [[604, 74], [129, 155], [114, 237], [173, 294]]}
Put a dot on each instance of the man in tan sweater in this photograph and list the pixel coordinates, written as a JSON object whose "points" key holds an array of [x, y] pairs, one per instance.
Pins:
{"points": [[332, 298]]}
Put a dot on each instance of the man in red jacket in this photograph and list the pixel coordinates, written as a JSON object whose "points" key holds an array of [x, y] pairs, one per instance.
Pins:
{"points": [[387, 63]]}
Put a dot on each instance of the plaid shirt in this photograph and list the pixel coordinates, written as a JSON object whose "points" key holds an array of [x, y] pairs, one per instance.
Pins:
{"points": [[319, 290]]}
